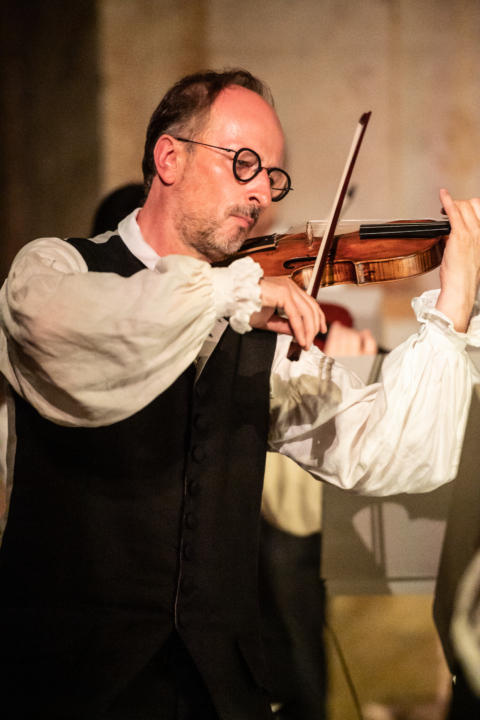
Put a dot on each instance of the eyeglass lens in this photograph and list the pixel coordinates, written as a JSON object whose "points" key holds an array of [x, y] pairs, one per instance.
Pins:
{"points": [[247, 165]]}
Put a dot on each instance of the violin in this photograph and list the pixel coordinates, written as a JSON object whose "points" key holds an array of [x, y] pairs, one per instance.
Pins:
{"points": [[374, 253]]}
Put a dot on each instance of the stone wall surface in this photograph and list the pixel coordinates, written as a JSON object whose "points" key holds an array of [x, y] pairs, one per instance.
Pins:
{"points": [[145, 47], [49, 139], [414, 63]]}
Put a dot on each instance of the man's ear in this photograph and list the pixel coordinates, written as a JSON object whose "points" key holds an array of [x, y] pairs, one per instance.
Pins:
{"points": [[169, 160]]}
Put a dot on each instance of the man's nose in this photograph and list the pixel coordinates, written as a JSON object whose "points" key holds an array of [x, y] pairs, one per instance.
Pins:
{"points": [[258, 190]]}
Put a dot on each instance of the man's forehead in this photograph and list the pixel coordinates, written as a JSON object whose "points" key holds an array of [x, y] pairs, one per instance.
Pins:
{"points": [[240, 111]]}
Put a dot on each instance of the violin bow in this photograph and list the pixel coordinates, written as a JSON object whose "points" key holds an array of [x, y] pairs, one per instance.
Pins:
{"points": [[329, 233]]}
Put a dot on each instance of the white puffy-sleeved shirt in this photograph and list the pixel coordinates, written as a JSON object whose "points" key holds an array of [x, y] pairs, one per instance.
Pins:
{"points": [[90, 349]]}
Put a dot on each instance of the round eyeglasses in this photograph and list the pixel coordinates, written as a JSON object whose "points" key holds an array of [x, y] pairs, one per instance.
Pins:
{"points": [[247, 165]]}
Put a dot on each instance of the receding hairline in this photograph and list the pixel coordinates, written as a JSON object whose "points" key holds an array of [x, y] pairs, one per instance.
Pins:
{"points": [[203, 120], [207, 120]]}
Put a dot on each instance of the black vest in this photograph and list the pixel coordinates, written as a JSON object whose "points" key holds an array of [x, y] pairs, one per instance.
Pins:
{"points": [[120, 533]]}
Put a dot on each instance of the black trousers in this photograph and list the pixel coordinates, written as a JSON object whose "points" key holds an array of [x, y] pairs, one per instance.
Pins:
{"points": [[170, 687]]}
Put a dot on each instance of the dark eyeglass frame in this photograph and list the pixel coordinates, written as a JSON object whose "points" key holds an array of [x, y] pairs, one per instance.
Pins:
{"points": [[283, 192]]}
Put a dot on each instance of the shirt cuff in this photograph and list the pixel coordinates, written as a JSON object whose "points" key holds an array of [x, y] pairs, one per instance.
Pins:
{"points": [[442, 327], [236, 292]]}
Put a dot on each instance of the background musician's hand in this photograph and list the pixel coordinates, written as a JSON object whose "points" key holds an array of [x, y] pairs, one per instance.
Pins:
{"points": [[344, 341], [460, 269], [304, 317]]}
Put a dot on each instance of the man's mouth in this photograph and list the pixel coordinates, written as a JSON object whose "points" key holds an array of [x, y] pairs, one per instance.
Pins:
{"points": [[245, 221], [247, 217]]}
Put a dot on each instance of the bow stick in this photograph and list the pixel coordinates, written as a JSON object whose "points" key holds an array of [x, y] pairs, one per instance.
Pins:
{"points": [[329, 233]]}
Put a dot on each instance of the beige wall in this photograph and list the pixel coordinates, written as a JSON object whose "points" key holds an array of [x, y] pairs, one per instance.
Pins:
{"points": [[145, 46], [414, 63]]}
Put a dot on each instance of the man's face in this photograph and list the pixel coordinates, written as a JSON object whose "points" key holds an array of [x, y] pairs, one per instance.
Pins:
{"points": [[215, 211]]}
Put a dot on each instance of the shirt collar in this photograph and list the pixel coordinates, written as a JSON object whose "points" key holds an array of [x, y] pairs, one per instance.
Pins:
{"points": [[131, 235]]}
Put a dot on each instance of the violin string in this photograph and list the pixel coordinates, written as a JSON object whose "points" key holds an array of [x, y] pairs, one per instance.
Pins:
{"points": [[404, 230], [376, 228], [373, 229]]}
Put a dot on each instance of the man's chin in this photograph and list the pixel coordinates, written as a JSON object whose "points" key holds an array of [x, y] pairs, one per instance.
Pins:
{"points": [[218, 253]]}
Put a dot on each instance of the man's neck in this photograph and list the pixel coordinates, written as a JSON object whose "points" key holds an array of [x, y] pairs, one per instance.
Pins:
{"points": [[159, 231]]}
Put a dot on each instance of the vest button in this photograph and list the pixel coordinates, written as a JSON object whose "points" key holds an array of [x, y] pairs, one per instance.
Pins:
{"points": [[189, 552], [194, 488], [201, 390], [198, 453], [188, 586], [191, 520], [181, 620], [200, 422]]}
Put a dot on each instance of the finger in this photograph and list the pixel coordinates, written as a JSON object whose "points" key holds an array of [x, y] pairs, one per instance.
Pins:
{"points": [[461, 213], [449, 206], [297, 313], [304, 314], [310, 315], [368, 343], [279, 325], [475, 203], [468, 213], [322, 318], [317, 316], [470, 210], [308, 305], [342, 341], [296, 310], [313, 319], [290, 308]]}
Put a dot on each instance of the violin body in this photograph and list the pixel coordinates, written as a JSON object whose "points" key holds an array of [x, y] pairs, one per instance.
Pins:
{"points": [[352, 258]]}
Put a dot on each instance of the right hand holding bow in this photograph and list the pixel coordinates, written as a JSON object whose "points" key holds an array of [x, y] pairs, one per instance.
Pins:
{"points": [[304, 318]]}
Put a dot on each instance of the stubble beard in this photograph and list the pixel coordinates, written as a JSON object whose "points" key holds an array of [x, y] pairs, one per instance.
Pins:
{"points": [[202, 232]]}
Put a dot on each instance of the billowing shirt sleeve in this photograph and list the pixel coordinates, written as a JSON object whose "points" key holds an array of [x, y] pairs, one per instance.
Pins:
{"points": [[403, 434], [90, 349]]}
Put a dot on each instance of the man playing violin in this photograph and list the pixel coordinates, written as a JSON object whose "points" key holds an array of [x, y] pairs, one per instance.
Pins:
{"points": [[142, 417]]}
